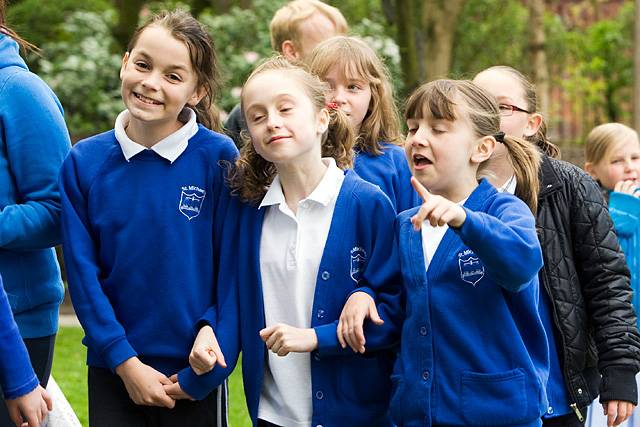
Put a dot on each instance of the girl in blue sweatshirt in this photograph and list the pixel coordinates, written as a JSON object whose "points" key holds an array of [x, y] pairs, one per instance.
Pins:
{"points": [[33, 143], [473, 348], [143, 209], [27, 402], [307, 235], [361, 87]]}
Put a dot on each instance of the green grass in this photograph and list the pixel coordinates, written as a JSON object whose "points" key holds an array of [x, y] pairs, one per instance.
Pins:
{"points": [[70, 372]]}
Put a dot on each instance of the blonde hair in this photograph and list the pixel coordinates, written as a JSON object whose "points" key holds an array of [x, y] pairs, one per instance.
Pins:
{"points": [[602, 139], [357, 60], [447, 99], [529, 92], [285, 24], [252, 175]]}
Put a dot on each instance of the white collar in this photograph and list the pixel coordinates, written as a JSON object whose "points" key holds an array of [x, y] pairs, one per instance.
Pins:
{"points": [[509, 186], [169, 148], [326, 190]]}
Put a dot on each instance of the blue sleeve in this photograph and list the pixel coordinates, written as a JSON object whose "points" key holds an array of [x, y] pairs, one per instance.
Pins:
{"points": [[224, 318], [381, 279], [16, 374], [406, 196], [506, 242], [104, 334], [37, 142]]}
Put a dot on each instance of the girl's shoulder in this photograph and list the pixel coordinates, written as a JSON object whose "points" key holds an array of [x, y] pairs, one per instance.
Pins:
{"points": [[364, 193], [221, 145]]}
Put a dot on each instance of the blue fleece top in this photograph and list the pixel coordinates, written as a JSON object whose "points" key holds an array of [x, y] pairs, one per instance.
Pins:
{"points": [[16, 374], [141, 244], [473, 349], [347, 389], [625, 213], [391, 173], [33, 143]]}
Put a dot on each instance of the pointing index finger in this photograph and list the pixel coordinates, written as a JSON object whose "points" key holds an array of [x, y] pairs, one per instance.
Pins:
{"points": [[420, 189]]}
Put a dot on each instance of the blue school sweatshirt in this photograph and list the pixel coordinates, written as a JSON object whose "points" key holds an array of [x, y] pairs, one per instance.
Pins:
{"points": [[141, 246], [391, 173], [33, 143], [16, 374], [473, 348], [360, 255]]}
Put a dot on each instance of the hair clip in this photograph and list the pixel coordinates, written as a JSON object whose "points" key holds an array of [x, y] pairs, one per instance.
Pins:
{"points": [[332, 106], [499, 137]]}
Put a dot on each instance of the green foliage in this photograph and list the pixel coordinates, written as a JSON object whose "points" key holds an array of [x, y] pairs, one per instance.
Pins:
{"points": [[83, 72], [39, 21]]}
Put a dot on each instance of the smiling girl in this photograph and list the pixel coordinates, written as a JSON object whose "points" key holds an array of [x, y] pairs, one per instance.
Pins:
{"points": [[142, 214]]}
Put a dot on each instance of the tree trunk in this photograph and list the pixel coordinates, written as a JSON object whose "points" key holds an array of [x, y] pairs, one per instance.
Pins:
{"points": [[636, 70], [128, 15], [407, 44], [537, 55], [439, 18]]}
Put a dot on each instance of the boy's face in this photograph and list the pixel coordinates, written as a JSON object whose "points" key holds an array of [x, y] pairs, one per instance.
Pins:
{"points": [[313, 31]]}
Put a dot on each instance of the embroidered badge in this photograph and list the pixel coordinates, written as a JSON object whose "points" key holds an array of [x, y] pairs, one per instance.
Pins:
{"points": [[191, 199], [471, 269], [358, 258]]}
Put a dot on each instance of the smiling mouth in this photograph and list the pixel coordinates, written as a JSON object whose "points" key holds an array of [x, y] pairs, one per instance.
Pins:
{"points": [[277, 138], [146, 100]]}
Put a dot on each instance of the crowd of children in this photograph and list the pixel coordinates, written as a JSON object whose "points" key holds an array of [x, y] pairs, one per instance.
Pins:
{"points": [[461, 276]]}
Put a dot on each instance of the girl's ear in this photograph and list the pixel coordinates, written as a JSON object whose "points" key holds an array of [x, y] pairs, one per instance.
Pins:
{"points": [[589, 167], [289, 50], [484, 149], [125, 60], [197, 96], [323, 121], [533, 124]]}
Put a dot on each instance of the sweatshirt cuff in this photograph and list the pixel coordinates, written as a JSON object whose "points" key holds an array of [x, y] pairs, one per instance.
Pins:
{"points": [[118, 353], [619, 383], [366, 290], [22, 390], [192, 384]]}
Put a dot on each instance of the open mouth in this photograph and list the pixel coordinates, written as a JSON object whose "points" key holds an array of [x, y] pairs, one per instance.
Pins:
{"points": [[421, 161], [146, 100]]}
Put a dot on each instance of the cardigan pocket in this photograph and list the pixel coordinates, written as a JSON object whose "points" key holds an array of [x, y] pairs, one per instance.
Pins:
{"points": [[395, 405], [496, 399], [365, 380]]}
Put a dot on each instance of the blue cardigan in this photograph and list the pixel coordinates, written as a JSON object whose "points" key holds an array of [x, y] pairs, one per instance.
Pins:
{"points": [[389, 171], [347, 389], [141, 245], [473, 348], [16, 374], [33, 143]]}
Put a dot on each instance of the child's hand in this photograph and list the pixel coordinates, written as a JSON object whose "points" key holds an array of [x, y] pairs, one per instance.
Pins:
{"points": [[617, 411], [438, 210], [358, 307], [627, 187], [144, 384], [284, 339], [174, 390], [206, 352], [31, 409]]}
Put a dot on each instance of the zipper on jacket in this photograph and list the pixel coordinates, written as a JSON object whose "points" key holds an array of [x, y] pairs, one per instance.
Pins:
{"points": [[574, 406]]}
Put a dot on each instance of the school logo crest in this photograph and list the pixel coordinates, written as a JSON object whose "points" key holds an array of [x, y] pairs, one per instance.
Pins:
{"points": [[191, 199], [471, 269], [358, 258]]}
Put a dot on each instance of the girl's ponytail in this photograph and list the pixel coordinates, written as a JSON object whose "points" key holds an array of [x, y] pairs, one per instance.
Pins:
{"points": [[339, 139], [525, 160]]}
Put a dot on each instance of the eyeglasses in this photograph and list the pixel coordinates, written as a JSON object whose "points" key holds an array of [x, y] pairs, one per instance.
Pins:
{"points": [[508, 109]]}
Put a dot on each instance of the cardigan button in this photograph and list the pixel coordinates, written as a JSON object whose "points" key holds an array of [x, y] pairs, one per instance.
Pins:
{"points": [[579, 391], [423, 330], [319, 395], [320, 314], [425, 375], [325, 275]]}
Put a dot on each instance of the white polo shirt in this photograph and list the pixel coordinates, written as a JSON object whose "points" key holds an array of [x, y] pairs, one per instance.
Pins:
{"points": [[291, 248]]}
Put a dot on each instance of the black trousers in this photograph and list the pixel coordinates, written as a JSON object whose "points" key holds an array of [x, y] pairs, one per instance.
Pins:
{"points": [[41, 356], [110, 405], [569, 420]]}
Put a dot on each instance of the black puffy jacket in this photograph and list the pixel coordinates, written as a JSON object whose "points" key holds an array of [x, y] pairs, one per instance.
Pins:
{"points": [[587, 279]]}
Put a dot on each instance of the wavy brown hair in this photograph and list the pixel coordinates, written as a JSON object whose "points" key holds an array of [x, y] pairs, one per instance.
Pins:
{"points": [[358, 61], [529, 94], [448, 99], [184, 27], [251, 175]]}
